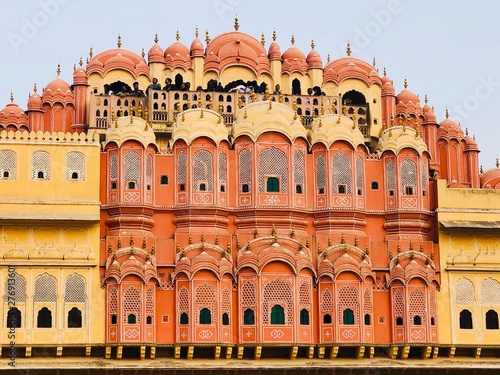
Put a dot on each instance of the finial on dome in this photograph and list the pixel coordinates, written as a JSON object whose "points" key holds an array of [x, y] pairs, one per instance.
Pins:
{"points": [[81, 61], [74, 67], [236, 23], [207, 37], [274, 35], [385, 72], [119, 43], [12, 98], [348, 49], [447, 113], [293, 39], [425, 99], [312, 44], [497, 163], [143, 53], [177, 35], [328, 58], [34, 87], [91, 53], [156, 38], [374, 63], [481, 169], [196, 32], [467, 131], [58, 69], [406, 83], [263, 39]]}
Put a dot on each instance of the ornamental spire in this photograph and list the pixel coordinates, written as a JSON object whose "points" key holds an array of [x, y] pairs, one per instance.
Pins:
{"points": [[91, 53], [196, 33], [348, 49], [81, 61], [177, 35], [406, 83], [274, 35], [447, 113], [34, 87], [12, 100], [263, 39], [236, 23], [58, 71], [207, 37], [293, 39], [119, 43], [156, 38], [312, 44], [374, 63]]}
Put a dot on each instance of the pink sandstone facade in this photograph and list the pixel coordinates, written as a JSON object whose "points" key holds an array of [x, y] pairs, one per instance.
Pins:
{"points": [[260, 220]]}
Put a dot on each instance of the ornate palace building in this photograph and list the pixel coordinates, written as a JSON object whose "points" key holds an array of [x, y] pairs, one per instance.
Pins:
{"points": [[262, 203]]}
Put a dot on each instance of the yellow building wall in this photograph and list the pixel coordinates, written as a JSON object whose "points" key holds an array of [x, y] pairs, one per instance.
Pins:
{"points": [[49, 228], [469, 242]]}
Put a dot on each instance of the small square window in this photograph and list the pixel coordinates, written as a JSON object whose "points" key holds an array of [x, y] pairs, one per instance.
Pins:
{"points": [[223, 188], [182, 187], [164, 180], [374, 185], [321, 190], [408, 190], [341, 189], [113, 185], [391, 193], [131, 185]]}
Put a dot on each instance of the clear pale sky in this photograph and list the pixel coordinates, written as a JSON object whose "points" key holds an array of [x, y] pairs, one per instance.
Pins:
{"points": [[449, 50]]}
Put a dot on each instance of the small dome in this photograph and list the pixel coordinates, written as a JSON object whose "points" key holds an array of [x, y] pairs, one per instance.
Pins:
{"points": [[12, 114], [470, 144], [155, 53], [197, 48], [314, 60], [274, 51], [58, 91], [80, 76], [294, 60], [388, 88], [350, 67], [34, 101], [429, 114], [117, 58], [177, 56], [407, 96], [450, 129], [491, 178]]}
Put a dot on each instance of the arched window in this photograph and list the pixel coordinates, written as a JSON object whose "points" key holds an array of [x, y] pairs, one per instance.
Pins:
{"points": [[164, 180], [74, 318], [205, 316], [149, 320], [367, 320], [304, 317], [131, 319], [114, 319], [273, 185], [277, 315], [14, 318], [491, 319], [41, 165], [245, 188], [298, 189], [348, 316], [465, 319], [248, 317], [399, 321], [327, 319], [417, 320], [184, 318], [44, 319], [296, 87], [225, 319]]}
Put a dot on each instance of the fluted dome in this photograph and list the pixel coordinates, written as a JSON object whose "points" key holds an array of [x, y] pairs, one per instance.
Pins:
{"points": [[449, 129], [274, 51], [58, 90], [34, 101], [177, 55], [314, 60], [13, 115], [429, 114], [407, 96], [80, 76], [236, 48], [294, 60], [118, 58], [155, 53], [197, 48], [491, 178], [470, 143], [350, 67]]}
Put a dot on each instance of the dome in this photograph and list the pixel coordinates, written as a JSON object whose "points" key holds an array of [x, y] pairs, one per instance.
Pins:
{"points": [[177, 56], [449, 129], [470, 143], [58, 90], [294, 60], [80, 76], [397, 138], [491, 178], [197, 123], [314, 59], [236, 48], [155, 53], [330, 128], [118, 58], [274, 52], [12, 114], [388, 88], [197, 48], [429, 113], [407, 96], [350, 67], [34, 101], [124, 130]]}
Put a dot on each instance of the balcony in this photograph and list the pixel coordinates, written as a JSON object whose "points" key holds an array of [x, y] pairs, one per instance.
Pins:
{"points": [[161, 107]]}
